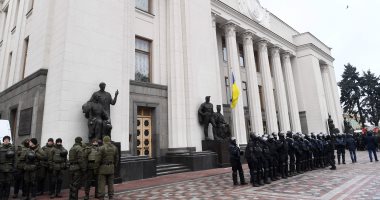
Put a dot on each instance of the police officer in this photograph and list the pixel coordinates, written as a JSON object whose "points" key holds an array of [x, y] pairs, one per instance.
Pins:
{"points": [[57, 163], [330, 152], [77, 167], [33, 157], [273, 149], [267, 159], [92, 157], [341, 148], [20, 163], [45, 171], [283, 151], [291, 153], [7, 157], [109, 155]]}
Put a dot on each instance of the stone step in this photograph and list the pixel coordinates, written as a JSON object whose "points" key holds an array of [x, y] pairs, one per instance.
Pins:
{"points": [[164, 169], [173, 172], [164, 165]]}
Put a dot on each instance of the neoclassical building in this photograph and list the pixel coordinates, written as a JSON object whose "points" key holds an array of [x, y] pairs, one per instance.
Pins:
{"points": [[164, 57]]}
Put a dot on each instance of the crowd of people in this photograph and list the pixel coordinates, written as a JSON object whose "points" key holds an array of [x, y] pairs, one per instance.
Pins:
{"points": [[276, 156], [29, 165]]}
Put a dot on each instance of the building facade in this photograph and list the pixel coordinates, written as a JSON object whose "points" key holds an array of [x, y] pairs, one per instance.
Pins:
{"points": [[164, 57]]}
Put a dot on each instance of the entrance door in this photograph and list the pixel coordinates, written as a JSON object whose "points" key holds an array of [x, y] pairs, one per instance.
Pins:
{"points": [[144, 131]]}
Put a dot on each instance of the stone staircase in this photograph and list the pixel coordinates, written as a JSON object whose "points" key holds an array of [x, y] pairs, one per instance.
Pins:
{"points": [[171, 168]]}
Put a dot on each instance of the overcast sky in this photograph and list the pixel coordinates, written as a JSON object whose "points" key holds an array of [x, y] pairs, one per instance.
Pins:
{"points": [[353, 33]]}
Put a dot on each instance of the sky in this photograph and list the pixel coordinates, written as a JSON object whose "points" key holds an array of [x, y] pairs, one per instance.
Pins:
{"points": [[350, 27]]}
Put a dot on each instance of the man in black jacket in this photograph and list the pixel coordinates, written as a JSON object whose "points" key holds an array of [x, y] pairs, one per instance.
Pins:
{"points": [[351, 144], [371, 143], [235, 162]]}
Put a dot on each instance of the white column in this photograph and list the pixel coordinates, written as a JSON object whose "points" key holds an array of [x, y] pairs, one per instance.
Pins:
{"points": [[218, 98], [176, 79], [283, 113], [270, 107], [328, 94], [291, 93], [239, 129], [338, 107], [253, 87]]}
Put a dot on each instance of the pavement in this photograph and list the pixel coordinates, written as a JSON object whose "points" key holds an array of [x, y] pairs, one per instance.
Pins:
{"points": [[349, 181]]}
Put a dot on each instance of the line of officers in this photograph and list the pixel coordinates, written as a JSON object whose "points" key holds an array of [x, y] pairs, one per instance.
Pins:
{"points": [[270, 158], [28, 165]]}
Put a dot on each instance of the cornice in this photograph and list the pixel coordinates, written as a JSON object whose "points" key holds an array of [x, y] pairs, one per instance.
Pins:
{"points": [[253, 23], [313, 37], [316, 49]]}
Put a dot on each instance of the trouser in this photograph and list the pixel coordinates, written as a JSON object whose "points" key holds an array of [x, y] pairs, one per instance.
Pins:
{"points": [[331, 159], [56, 182], [91, 179], [30, 181], [5, 184], [298, 162], [206, 121], [104, 179], [292, 162], [43, 173], [353, 155], [236, 166], [283, 166], [19, 182], [251, 170], [341, 155], [370, 151], [76, 178]]}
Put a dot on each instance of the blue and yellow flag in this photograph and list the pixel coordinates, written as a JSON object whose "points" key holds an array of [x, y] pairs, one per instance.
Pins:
{"points": [[235, 93]]}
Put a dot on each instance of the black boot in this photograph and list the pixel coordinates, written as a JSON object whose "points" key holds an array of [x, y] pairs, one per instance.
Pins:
{"points": [[254, 179], [234, 178], [260, 177], [266, 177], [242, 179], [338, 159]]}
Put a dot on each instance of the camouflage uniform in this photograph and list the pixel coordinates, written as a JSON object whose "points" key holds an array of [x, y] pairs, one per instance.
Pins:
{"points": [[57, 163], [77, 167], [92, 158], [33, 158], [20, 163], [44, 171], [108, 156], [7, 157]]}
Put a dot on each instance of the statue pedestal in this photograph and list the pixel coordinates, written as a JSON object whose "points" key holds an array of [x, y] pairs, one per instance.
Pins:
{"points": [[117, 178], [220, 147]]}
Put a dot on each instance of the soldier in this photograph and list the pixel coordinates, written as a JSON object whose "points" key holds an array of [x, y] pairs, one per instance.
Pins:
{"points": [[267, 160], [77, 167], [341, 148], [7, 157], [57, 163], [298, 153], [330, 152], [33, 157], [273, 149], [92, 157], [20, 163], [44, 170], [109, 155]]}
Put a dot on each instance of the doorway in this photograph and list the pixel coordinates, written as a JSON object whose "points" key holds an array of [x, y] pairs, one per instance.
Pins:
{"points": [[144, 131]]}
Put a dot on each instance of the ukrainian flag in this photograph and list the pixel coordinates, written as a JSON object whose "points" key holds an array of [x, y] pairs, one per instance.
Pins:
{"points": [[235, 93]]}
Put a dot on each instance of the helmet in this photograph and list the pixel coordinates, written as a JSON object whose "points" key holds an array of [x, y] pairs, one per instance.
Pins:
{"points": [[10, 154], [63, 153], [31, 155]]}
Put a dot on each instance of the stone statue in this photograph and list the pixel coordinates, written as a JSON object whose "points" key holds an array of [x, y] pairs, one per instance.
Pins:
{"points": [[97, 111], [221, 128], [205, 115], [331, 125]]}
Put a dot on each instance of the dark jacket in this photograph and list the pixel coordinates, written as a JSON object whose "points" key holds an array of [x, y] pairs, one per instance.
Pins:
{"points": [[370, 141], [234, 152], [351, 143]]}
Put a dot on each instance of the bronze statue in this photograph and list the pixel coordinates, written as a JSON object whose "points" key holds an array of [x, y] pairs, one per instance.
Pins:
{"points": [[221, 128], [97, 111], [205, 115], [347, 126], [331, 125]]}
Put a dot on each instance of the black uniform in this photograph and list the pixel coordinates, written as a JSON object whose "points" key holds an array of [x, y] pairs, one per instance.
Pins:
{"points": [[236, 163], [283, 151], [341, 149], [267, 161], [273, 149], [291, 153], [330, 152], [254, 156]]}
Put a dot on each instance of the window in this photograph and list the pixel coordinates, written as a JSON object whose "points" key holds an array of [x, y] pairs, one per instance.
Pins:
{"points": [[241, 55], [224, 49], [4, 20], [13, 122], [261, 98], [257, 61], [25, 56], [245, 94], [142, 60], [228, 91], [144, 5], [16, 14], [8, 69]]}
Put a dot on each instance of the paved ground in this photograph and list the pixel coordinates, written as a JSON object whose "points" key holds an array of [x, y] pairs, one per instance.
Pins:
{"points": [[350, 181]]}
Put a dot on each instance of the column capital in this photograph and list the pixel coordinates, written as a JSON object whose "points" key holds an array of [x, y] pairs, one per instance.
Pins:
{"points": [[324, 67], [275, 49], [230, 27], [286, 54], [262, 42], [247, 35]]}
